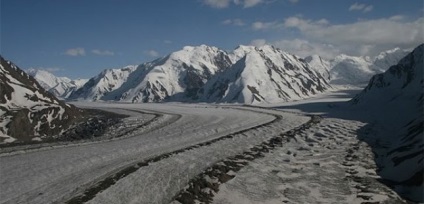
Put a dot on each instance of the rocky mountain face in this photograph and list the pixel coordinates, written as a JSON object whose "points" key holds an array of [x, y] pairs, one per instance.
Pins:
{"points": [[27, 111], [397, 98], [61, 87], [403, 80], [208, 74]]}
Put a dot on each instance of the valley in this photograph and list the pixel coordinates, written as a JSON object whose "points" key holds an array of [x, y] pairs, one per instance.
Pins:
{"points": [[211, 102], [299, 133]]}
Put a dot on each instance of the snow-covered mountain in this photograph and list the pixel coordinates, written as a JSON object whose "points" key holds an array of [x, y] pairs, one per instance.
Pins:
{"points": [[350, 70], [247, 74], [388, 58], [354, 70], [264, 74], [179, 76], [320, 65], [61, 87], [207, 74], [99, 86], [397, 98], [27, 111]]}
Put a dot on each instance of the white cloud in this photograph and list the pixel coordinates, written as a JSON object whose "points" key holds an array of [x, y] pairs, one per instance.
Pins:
{"points": [[103, 52], [258, 25], [258, 42], [302, 24], [368, 8], [364, 50], [305, 48], [235, 22], [300, 47], [397, 18], [361, 7], [217, 3], [294, 21], [226, 3], [151, 53], [323, 21], [251, 3], [373, 34], [75, 52], [227, 22], [356, 6], [363, 37]]}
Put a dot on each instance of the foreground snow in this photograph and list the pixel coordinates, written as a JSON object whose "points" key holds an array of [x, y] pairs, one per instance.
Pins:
{"points": [[327, 164]]}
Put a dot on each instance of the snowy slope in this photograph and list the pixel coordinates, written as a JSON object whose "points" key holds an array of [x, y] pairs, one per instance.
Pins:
{"points": [[350, 70], [353, 70], [388, 58], [61, 87], [264, 74], [397, 98], [320, 65], [27, 111], [98, 86], [46, 79]]}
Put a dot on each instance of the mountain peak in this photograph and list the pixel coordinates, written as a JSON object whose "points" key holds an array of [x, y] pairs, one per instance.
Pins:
{"points": [[201, 47], [60, 87], [252, 47], [314, 58], [388, 58]]}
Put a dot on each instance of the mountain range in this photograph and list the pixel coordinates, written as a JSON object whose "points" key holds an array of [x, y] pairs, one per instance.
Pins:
{"points": [[204, 73], [207, 74]]}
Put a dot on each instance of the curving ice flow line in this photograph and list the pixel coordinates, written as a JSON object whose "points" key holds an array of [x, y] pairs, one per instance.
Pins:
{"points": [[158, 180], [58, 174], [91, 192]]}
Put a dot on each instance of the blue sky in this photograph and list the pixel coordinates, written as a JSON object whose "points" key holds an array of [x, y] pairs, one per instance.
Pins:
{"points": [[80, 38]]}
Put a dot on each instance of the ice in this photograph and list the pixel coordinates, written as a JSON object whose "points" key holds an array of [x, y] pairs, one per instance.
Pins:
{"points": [[30, 171]]}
